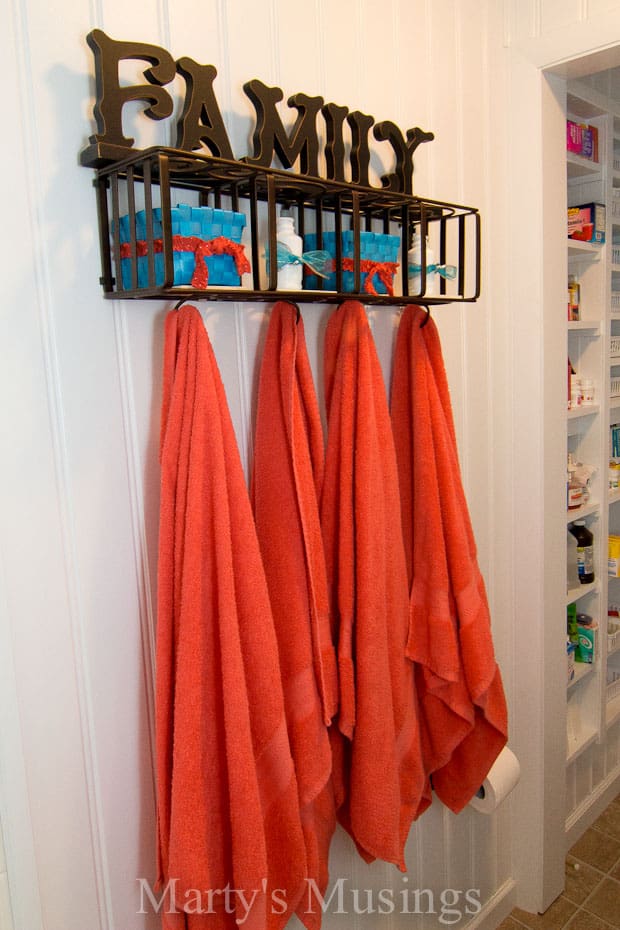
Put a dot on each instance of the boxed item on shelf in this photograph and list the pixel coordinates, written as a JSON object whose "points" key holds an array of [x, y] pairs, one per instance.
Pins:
{"points": [[570, 656], [613, 557], [586, 222], [189, 224], [378, 261], [586, 644], [582, 139]]}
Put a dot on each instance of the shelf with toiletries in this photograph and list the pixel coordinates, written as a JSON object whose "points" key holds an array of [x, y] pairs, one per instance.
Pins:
{"points": [[588, 390], [583, 672], [184, 225]]}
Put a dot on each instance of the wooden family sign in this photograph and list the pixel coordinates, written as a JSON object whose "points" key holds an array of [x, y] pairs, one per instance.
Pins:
{"points": [[201, 125]]}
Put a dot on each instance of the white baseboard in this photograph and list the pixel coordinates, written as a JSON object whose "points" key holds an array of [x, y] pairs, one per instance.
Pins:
{"points": [[496, 909], [586, 813]]}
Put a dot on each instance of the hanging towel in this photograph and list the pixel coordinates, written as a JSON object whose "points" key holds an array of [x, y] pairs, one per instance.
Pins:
{"points": [[378, 772], [228, 807], [286, 482], [459, 683]]}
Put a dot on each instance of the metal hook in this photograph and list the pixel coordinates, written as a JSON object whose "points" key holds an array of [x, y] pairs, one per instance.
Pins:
{"points": [[298, 311], [180, 303], [426, 318]]}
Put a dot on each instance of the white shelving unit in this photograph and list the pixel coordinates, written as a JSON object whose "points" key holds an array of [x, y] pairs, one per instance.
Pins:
{"points": [[593, 342]]}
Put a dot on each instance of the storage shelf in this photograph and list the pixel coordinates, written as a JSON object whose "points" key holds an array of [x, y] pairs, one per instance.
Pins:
{"points": [[575, 593], [584, 411], [585, 326], [580, 107], [579, 743], [583, 249], [596, 267], [579, 167], [585, 510], [582, 670], [158, 175]]}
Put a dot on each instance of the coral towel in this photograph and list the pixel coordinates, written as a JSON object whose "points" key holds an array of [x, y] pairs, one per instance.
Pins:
{"points": [[287, 478], [378, 770], [231, 847], [463, 706]]}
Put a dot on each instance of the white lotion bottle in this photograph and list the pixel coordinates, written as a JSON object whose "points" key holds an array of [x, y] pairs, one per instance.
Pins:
{"points": [[290, 276], [414, 257]]}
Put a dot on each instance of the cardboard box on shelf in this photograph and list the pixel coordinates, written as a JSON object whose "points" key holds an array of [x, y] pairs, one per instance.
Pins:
{"points": [[586, 222]]}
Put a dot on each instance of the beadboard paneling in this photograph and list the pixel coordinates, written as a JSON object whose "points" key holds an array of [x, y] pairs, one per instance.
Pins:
{"points": [[82, 382], [548, 32]]}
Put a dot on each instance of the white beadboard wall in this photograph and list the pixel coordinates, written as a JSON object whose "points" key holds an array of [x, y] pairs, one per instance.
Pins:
{"points": [[6, 917], [81, 387], [552, 31]]}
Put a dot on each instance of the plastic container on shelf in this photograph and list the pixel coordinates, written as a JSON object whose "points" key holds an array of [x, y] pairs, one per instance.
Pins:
{"points": [[574, 489], [574, 298], [414, 261], [585, 551], [290, 275], [587, 392]]}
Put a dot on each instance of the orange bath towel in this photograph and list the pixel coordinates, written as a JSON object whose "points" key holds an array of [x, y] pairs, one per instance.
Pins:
{"points": [[457, 677], [378, 771], [230, 838], [286, 482]]}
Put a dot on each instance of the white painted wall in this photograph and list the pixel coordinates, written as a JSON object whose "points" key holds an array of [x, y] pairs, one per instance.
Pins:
{"points": [[81, 381], [549, 32]]}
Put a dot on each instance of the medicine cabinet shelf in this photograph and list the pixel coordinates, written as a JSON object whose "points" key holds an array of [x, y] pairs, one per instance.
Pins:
{"points": [[581, 590], [593, 326], [586, 510], [579, 742], [582, 670], [578, 166], [146, 180], [593, 348], [583, 411]]}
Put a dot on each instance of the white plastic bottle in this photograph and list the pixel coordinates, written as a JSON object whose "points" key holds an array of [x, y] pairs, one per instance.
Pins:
{"points": [[414, 257], [290, 276]]}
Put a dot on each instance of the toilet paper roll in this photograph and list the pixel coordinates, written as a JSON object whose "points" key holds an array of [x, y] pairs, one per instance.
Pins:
{"points": [[503, 776]]}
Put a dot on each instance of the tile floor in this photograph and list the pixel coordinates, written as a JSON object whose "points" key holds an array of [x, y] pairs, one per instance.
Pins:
{"points": [[591, 896]]}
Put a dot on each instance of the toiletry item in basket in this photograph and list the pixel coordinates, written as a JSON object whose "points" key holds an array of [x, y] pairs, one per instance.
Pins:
{"points": [[414, 260], [290, 275]]}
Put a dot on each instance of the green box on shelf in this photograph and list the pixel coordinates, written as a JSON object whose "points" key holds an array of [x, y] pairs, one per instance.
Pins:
{"points": [[585, 644]]}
